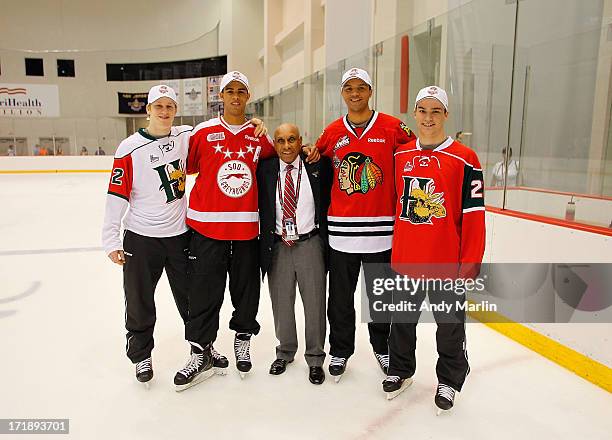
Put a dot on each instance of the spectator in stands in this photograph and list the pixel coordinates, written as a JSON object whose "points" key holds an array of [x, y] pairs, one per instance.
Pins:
{"points": [[44, 151], [36, 151], [84, 151], [11, 151], [59, 151], [499, 170], [100, 152]]}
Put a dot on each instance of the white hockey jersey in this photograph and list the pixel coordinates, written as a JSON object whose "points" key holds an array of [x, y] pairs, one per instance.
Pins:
{"points": [[148, 176]]}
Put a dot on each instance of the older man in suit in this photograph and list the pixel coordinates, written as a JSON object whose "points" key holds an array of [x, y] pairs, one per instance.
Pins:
{"points": [[293, 201]]}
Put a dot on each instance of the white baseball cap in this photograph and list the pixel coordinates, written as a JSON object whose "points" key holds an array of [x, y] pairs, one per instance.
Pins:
{"points": [[161, 91], [434, 92], [356, 73], [233, 76]]}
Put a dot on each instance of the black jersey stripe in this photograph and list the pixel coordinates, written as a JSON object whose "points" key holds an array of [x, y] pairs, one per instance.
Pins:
{"points": [[360, 233], [121, 196], [360, 224]]}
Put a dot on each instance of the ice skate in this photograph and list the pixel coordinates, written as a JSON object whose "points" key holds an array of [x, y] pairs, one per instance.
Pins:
{"points": [[144, 372], [394, 385], [220, 362], [383, 361], [445, 398], [337, 367], [198, 368], [242, 345]]}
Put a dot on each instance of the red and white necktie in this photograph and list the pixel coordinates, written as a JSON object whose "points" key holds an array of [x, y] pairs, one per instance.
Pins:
{"points": [[288, 202]]}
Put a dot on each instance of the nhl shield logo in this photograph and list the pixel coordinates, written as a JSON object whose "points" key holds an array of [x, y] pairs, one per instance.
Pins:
{"points": [[234, 178]]}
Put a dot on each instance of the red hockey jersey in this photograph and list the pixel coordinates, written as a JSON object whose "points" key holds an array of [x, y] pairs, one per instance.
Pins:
{"points": [[223, 202], [362, 207], [148, 176], [440, 213]]}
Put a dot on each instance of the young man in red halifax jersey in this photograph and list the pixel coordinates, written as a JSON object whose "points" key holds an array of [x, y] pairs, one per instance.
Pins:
{"points": [[439, 232], [224, 218], [361, 214]]}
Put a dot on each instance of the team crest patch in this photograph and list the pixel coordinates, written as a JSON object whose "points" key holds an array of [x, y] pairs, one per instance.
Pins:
{"points": [[420, 202], [167, 147], [406, 129], [172, 177], [342, 142], [212, 137], [358, 174], [234, 178]]}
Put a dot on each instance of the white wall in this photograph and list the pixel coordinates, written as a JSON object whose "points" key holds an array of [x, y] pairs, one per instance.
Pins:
{"points": [[514, 240], [94, 33], [348, 25]]}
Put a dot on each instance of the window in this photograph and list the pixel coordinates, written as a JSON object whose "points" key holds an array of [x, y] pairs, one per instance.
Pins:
{"points": [[34, 67], [65, 68], [168, 70]]}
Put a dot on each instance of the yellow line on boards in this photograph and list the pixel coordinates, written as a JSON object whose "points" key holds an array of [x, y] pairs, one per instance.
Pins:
{"points": [[51, 171], [585, 367]]}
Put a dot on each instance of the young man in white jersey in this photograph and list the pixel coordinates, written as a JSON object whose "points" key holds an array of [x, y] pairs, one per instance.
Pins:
{"points": [[439, 234], [148, 177], [224, 218], [361, 214]]}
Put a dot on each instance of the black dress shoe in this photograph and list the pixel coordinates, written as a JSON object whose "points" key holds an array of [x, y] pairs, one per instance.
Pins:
{"points": [[316, 375], [279, 366]]}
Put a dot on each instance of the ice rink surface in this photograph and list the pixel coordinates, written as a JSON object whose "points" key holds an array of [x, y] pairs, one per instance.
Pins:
{"points": [[62, 345]]}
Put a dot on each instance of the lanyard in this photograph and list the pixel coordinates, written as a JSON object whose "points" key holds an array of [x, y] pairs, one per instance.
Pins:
{"points": [[297, 188]]}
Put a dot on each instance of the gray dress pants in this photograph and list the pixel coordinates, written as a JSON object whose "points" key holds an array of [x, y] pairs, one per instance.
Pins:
{"points": [[303, 264]]}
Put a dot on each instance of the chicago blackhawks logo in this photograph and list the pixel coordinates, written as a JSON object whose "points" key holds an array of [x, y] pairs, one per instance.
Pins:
{"points": [[172, 176], [358, 174], [420, 202], [234, 178]]}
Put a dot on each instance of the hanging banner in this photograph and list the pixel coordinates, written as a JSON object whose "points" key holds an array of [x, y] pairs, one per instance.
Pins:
{"points": [[29, 100], [213, 89], [193, 97], [132, 103]]}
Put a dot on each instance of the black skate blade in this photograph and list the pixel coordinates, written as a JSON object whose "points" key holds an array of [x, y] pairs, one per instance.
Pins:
{"points": [[200, 378], [393, 394]]}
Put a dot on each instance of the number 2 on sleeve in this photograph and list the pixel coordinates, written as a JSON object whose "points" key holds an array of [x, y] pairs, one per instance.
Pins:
{"points": [[118, 175]]}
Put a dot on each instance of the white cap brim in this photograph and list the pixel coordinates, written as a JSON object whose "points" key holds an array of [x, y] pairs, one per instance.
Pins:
{"points": [[356, 73], [234, 76]]}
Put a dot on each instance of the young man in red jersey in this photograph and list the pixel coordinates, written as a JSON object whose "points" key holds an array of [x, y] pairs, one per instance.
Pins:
{"points": [[440, 228], [224, 218], [361, 214]]}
